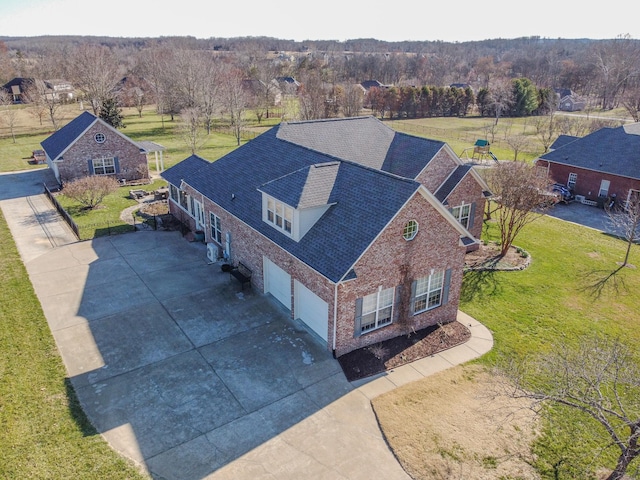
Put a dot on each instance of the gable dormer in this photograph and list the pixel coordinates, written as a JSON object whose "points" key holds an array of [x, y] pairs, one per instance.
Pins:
{"points": [[294, 203]]}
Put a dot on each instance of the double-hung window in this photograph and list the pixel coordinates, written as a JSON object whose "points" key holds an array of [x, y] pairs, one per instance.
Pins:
{"points": [[279, 215], [463, 214], [376, 310], [104, 166], [428, 292], [216, 228]]}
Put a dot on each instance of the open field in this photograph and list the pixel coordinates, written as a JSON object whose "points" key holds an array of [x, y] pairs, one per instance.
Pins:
{"points": [[153, 127], [528, 312]]}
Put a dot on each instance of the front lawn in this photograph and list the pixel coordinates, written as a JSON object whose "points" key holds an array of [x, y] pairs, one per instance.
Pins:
{"points": [[44, 433], [528, 312]]}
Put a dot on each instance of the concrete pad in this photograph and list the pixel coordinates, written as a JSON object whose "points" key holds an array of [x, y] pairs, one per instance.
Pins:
{"points": [[126, 341], [265, 364], [217, 313], [164, 407], [177, 279]]}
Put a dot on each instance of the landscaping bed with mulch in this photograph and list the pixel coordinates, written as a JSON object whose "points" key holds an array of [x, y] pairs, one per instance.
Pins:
{"points": [[401, 350]]}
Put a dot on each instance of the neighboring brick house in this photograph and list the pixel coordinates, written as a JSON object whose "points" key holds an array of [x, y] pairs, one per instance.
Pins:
{"points": [[89, 146], [343, 221], [596, 166]]}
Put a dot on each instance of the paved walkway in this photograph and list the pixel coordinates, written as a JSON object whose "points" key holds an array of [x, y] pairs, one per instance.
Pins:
{"points": [[189, 377]]}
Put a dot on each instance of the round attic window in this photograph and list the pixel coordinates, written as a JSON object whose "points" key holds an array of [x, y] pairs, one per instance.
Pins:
{"points": [[99, 137], [410, 230]]}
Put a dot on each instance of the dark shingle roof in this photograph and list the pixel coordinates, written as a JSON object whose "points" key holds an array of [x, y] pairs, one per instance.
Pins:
{"points": [[563, 140], [186, 169], [346, 229], [59, 141], [364, 140], [407, 156], [608, 150], [450, 183]]}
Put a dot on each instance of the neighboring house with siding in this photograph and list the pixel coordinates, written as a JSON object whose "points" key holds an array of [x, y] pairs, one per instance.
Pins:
{"points": [[596, 166], [89, 146], [358, 230]]}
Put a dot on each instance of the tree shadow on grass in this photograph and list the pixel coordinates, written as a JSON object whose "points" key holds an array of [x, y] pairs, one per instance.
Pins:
{"points": [[478, 284]]}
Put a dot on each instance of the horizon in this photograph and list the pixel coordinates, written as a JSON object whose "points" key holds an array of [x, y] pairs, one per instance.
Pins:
{"points": [[412, 22]]}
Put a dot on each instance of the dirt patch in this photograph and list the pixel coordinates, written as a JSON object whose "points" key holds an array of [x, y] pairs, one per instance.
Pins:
{"points": [[452, 425], [401, 350], [487, 257]]}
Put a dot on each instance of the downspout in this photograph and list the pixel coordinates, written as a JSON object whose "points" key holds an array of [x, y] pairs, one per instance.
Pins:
{"points": [[335, 319]]}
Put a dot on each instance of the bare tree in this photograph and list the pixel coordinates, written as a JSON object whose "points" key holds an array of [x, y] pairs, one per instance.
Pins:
{"points": [[624, 219], [95, 71], [599, 378], [546, 130], [90, 191], [518, 143], [191, 128], [520, 197], [234, 97], [9, 113], [617, 61], [312, 97]]}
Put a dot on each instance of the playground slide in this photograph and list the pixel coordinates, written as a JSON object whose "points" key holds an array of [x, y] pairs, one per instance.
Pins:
{"points": [[493, 156]]}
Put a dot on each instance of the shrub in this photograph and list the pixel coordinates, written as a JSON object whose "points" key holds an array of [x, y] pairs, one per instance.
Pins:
{"points": [[90, 191]]}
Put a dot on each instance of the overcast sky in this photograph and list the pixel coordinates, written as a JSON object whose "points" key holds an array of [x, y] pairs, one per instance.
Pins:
{"points": [[451, 21]]}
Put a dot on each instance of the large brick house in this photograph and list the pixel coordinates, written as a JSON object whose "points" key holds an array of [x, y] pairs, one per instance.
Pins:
{"points": [[359, 231], [89, 146], [596, 166]]}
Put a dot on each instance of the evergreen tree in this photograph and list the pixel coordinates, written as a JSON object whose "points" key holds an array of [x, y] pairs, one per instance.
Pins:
{"points": [[111, 113]]}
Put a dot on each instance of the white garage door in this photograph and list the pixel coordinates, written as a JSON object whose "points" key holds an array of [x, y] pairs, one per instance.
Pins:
{"points": [[277, 282], [311, 309]]}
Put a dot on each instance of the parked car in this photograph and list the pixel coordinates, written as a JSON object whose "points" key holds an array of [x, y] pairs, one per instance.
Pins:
{"points": [[563, 191], [39, 156]]}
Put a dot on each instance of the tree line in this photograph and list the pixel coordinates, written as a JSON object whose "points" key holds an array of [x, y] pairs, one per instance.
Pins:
{"points": [[211, 81]]}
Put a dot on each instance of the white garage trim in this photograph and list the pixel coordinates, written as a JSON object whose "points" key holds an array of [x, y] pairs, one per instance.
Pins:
{"points": [[311, 309], [277, 282]]}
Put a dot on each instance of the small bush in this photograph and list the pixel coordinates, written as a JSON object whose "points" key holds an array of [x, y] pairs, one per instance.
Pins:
{"points": [[90, 191]]}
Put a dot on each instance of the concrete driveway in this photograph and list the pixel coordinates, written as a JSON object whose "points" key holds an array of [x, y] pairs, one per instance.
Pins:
{"points": [[178, 368], [189, 376], [185, 373]]}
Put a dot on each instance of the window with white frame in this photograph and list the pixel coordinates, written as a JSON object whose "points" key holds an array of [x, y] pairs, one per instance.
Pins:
{"points": [[104, 166], [197, 211], [410, 230], [279, 215], [377, 309], [216, 228], [571, 182], [183, 199], [462, 214], [604, 188], [428, 292]]}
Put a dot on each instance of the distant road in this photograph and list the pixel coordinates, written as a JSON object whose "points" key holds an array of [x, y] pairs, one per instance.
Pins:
{"points": [[588, 115]]}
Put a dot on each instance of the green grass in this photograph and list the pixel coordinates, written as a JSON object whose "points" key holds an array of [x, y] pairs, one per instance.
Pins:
{"points": [[549, 303], [44, 433], [104, 219]]}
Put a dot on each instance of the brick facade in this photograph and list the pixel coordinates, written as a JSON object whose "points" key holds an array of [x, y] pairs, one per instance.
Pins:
{"points": [[466, 192], [132, 163], [390, 261], [588, 181]]}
